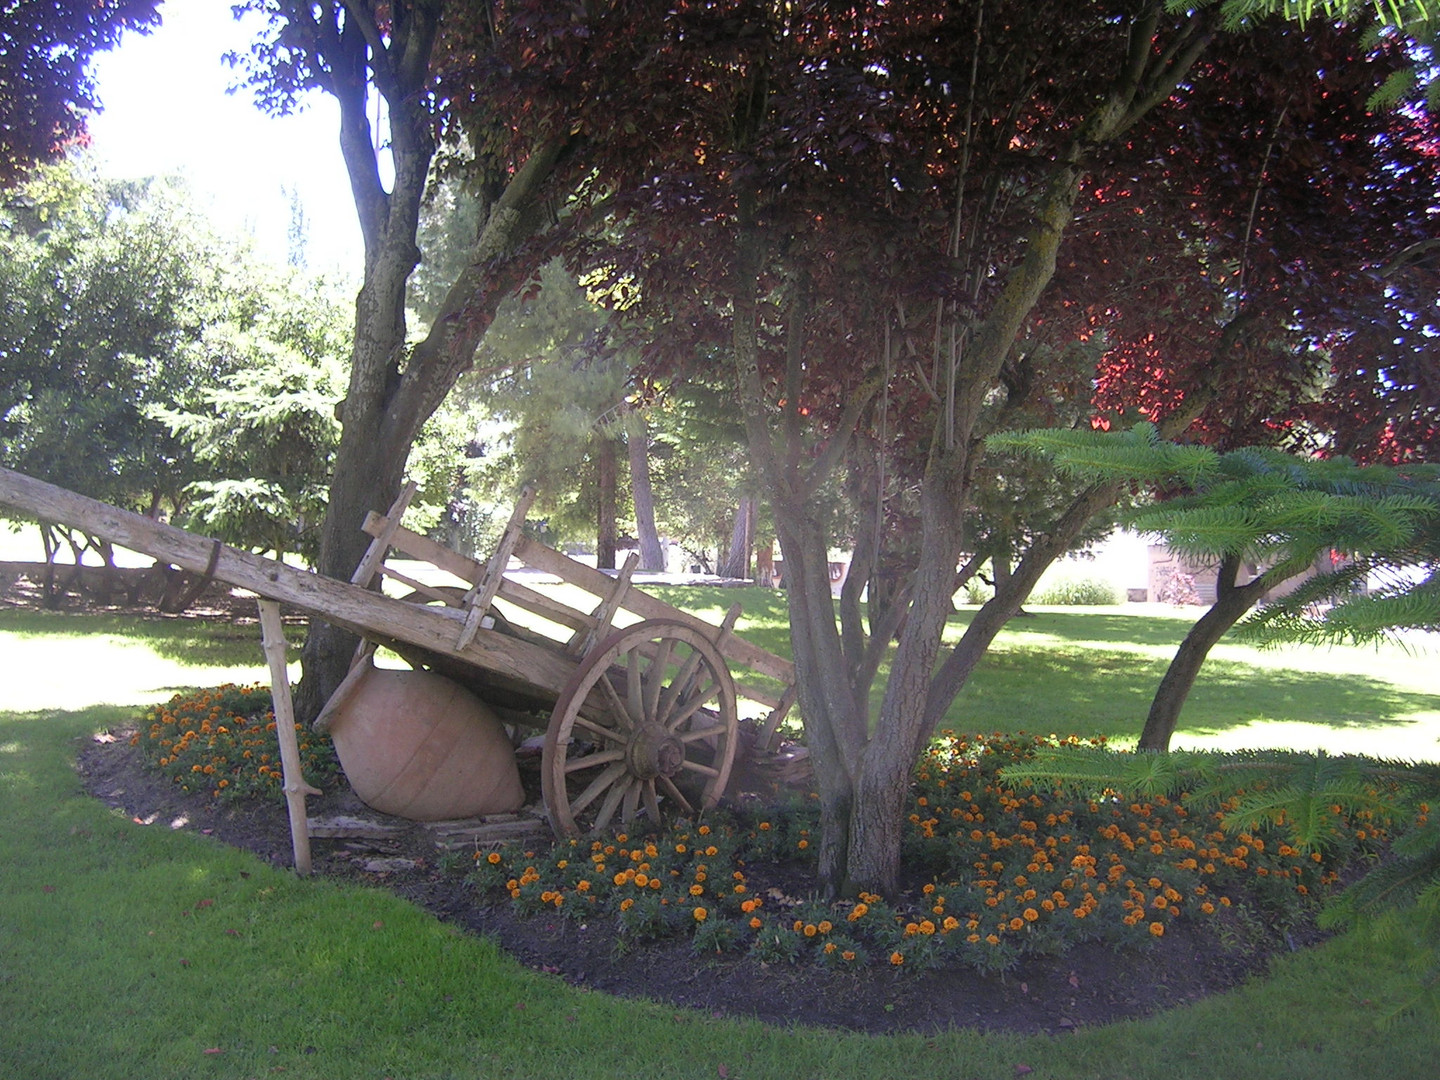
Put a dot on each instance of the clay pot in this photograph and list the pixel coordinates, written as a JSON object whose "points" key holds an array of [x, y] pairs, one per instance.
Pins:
{"points": [[417, 745]]}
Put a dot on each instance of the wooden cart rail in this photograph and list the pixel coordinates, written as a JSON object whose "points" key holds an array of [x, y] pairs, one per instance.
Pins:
{"points": [[612, 594]]}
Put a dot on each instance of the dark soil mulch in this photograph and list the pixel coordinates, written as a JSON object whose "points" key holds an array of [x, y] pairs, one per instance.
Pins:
{"points": [[1092, 984]]}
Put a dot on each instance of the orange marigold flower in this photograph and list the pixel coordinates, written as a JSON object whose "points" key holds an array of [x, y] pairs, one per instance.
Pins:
{"points": [[696, 890], [897, 958], [1157, 929], [700, 914], [627, 904], [493, 858], [857, 912], [1030, 914], [747, 906], [811, 930], [755, 923], [825, 926], [847, 955]]}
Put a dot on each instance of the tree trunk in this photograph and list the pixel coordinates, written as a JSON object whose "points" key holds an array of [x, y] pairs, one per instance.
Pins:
{"points": [[393, 389], [605, 482], [736, 563], [652, 555], [1231, 603]]}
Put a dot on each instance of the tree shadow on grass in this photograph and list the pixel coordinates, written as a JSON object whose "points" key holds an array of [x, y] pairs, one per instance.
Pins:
{"points": [[1089, 691], [193, 642]]}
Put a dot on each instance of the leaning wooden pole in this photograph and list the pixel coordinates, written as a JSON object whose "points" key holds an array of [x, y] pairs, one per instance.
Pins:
{"points": [[272, 635]]}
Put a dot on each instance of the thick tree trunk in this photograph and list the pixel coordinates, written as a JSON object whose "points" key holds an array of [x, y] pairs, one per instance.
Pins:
{"points": [[652, 555], [605, 485]]}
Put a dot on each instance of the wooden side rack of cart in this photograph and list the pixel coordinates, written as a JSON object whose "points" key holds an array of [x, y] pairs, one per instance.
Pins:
{"points": [[640, 718]]}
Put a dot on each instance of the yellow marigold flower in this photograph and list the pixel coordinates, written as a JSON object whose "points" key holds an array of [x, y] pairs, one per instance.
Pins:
{"points": [[897, 958], [700, 914], [1157, 929]]}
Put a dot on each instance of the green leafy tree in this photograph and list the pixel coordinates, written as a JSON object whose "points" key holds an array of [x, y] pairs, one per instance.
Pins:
{"points": [[264, 435], [1256, 513], [108, 290]]}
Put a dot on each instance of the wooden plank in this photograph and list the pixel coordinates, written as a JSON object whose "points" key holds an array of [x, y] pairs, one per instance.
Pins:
{"points": [[481, 594], [375, 553], [467, 569], [272, 635], [368, 614], [533, 553], [598, 624]]}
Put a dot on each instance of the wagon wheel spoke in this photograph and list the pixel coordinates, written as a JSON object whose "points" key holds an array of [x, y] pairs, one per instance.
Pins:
{"points": [[656, 681], [599, 784], [674, 735], [612, 802], [696, 734], [608, 734], [674, 792], [679, 686], [589, 761], [692, 706], [631, 801], [617, 706], [652, 802]]}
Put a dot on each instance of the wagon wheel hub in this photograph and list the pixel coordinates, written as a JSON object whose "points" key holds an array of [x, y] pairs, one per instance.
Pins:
{"points": [[655, 752]]}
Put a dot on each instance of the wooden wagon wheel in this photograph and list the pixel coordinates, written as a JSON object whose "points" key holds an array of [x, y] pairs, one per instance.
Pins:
{"points": [[648, 715]]}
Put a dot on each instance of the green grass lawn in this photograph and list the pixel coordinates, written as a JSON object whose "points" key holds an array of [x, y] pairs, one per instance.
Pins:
{"points": [[134, 951]]}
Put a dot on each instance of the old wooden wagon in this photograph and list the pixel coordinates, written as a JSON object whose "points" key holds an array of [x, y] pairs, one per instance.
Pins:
{"points": [[640, 718]]}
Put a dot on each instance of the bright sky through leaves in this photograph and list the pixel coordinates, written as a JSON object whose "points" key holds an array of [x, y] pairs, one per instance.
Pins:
{"points": [[167, 111]]}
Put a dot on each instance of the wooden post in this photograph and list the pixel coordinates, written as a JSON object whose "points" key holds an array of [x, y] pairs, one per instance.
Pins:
{"points": [[272, 635]]}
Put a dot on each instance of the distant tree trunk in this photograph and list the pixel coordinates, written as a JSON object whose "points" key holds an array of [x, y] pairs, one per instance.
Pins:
{"points": [[736, 563], [605, 469], [652, 556]]}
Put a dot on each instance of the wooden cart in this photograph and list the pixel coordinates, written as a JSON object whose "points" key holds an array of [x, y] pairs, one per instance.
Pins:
{"points": [[638, 718]]}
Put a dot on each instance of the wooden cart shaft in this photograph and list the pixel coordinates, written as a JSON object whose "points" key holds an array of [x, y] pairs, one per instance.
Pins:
{"points": [[385, 620]]}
